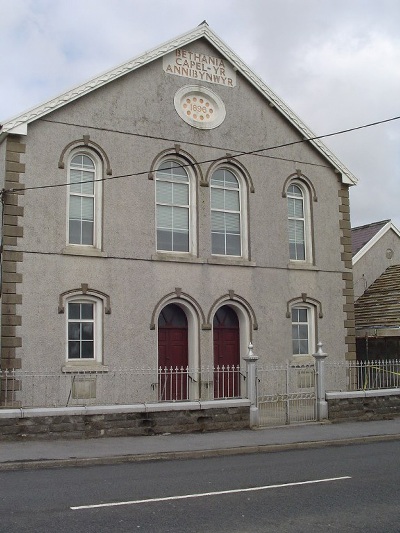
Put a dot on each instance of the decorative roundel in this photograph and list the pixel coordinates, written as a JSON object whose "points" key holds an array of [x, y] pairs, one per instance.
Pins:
{"points": [[199, 106]]}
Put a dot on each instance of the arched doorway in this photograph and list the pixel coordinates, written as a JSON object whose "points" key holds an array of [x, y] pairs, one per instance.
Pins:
{"points": [[226, 353], [172, 354]]}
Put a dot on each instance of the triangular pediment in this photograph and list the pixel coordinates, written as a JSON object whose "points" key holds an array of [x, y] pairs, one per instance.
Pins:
{"points": [[19, 124]]}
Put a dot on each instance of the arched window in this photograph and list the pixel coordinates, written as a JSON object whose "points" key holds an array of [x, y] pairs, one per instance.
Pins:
{"points": [[84, 205], [299, 222], [303, 330], [227, 221], [174, 219]]}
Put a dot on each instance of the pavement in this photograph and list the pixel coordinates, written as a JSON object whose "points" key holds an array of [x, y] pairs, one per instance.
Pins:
{"points": [[112, 450]]}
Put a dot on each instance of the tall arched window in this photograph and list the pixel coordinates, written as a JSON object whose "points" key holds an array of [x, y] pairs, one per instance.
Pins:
{"points": [[299, 223], [84, 206], [226, 213], [175, 227]]}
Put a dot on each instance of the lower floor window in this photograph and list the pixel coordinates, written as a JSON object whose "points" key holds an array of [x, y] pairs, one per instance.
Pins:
{"points": [[301, 330], [81, 330]]}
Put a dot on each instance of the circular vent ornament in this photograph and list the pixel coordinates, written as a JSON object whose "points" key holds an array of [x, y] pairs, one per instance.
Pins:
{"points": [[199, 107]]}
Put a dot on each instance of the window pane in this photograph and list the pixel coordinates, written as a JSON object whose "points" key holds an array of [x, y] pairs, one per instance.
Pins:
{"points": [[218, 221], [232, 200], [73, 350], [300, 252], [87, 331], [217, 198], [87, 349], [232, 223], [218, 178], [164, 239], [74, 311], [164, 216], [74, 331], [218, 243], [180, 218], [75, 207], [303, 332], [230, 179], [75, 232], [294, 190], [180, 194], [164, 192], [87, 311], [233, 245], [181, 241], [303, 347], [87, 233], [303, 314], [88, 186], [87, 208], [298, 208]]}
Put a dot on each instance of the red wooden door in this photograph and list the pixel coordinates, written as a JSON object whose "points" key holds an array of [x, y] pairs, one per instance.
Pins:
{"points": [[172, 354], [226, 353]]}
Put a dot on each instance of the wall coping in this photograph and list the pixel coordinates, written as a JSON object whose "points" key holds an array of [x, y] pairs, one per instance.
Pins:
{"points": [[361, 394], [116, 409]]}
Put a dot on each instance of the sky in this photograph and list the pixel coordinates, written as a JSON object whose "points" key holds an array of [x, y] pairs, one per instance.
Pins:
{"points": [[336, 63]]}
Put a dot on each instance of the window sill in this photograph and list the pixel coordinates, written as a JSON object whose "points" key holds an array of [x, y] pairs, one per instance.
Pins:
{"points": [[84, 250], [84, 367], [301, 360], [301, 265], [230, 260], [184, 258]]}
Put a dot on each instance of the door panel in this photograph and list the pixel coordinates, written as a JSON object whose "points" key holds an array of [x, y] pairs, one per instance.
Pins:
{"points": [[226, 354], [172, 354]]}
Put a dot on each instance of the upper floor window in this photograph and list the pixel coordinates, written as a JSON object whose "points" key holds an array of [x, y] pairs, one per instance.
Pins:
{"points": [[84, 200], [299, 223], [226, 214], [175, 229]]}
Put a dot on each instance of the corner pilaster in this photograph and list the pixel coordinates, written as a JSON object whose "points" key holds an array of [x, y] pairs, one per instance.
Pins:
{"points": [[347, 274], [11, 279]]}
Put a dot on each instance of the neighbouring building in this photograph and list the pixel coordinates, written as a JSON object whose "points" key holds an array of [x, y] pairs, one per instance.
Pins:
{"points": [[165, 214], [378, 318], [375, 247]]}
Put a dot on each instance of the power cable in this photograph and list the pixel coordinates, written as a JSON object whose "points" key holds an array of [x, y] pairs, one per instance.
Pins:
{"points": [[236, 155]]}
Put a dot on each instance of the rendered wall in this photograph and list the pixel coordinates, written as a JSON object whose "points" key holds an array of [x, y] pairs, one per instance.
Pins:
{"points": [[133, 120]]}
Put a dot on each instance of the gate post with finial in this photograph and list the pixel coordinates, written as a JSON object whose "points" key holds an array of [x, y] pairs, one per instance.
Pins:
{"points": [[251, 385]]}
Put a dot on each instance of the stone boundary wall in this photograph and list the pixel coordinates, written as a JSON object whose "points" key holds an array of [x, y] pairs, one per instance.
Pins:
{"points": [[363, 405], [123, 421]]}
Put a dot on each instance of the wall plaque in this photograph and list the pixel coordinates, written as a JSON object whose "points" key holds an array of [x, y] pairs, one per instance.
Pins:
{"points": [[199, 106], [200, 67]]}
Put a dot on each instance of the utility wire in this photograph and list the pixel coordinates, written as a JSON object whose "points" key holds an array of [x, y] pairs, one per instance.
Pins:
{"points": [[236, 155], [176, 141]]}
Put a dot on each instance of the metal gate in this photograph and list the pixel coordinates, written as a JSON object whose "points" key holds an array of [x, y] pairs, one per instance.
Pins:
{"points": [[286, 394]]}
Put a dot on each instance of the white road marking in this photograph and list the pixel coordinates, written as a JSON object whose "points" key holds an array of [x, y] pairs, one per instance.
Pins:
{"points": [[203, 494]]}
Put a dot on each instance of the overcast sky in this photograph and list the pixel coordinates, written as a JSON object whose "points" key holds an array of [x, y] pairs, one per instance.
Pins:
{"points": [[336, 63]]}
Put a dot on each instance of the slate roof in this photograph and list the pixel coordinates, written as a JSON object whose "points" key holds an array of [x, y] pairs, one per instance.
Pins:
{"points": [[379, 306], [361, 235], [18, 125]]}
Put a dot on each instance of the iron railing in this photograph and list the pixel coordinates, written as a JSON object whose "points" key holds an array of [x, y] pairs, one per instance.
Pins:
{"points": [[362, 375], [30, 388]]}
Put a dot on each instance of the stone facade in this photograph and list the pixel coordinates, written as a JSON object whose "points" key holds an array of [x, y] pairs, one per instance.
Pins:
{"points": [[128, 123]]}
